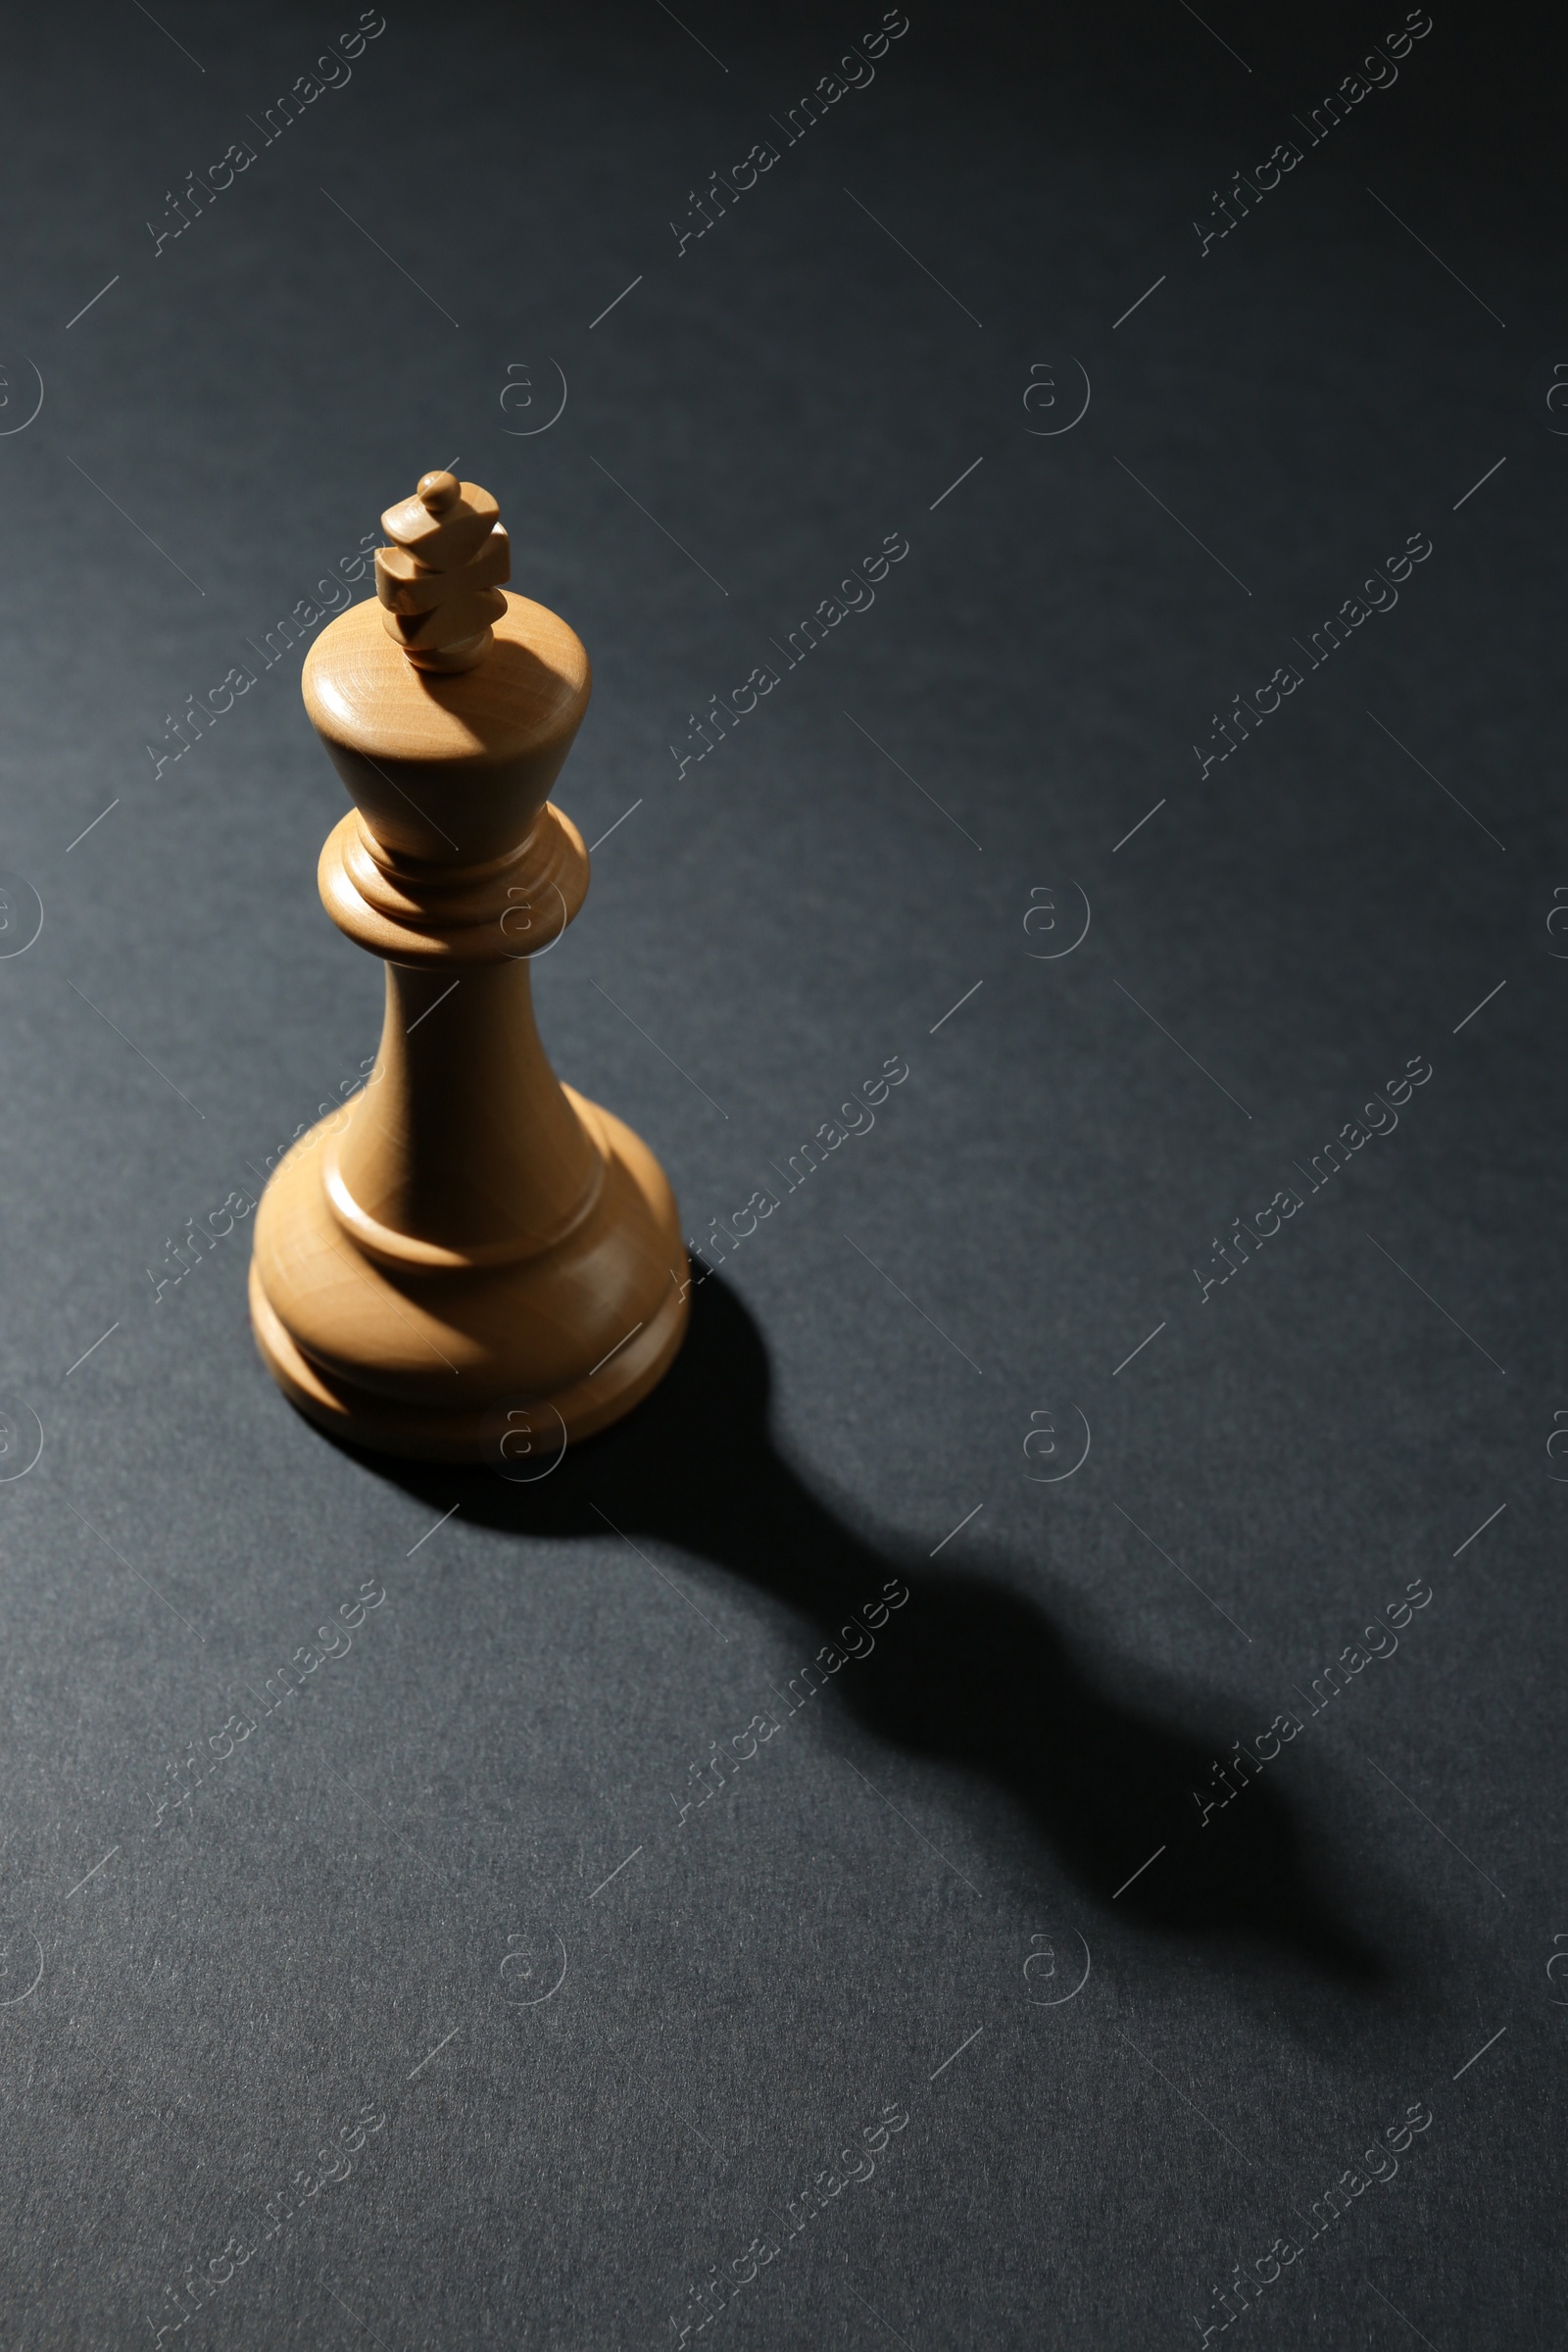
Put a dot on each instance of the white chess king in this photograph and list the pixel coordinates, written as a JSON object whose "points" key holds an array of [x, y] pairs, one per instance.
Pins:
{"points": [[469, 1261]]}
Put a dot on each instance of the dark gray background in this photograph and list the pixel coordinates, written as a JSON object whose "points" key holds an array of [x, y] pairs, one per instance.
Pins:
{"points": [[223, 1993]]}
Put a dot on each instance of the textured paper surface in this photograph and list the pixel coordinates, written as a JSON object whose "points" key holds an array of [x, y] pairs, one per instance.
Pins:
{"points": [[562, 1942]]}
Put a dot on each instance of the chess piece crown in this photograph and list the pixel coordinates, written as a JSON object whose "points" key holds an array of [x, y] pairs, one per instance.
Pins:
{"points": [[440, 580], [469, 1261]]}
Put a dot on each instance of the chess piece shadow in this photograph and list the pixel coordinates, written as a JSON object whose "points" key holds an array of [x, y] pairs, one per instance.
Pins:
{"points": [[967, 1671]]}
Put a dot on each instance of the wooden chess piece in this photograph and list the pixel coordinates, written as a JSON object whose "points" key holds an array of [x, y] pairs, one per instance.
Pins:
{"points": [[469, 1261]]}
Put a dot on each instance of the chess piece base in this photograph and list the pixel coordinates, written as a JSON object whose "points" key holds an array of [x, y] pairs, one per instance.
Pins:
{"points": [[504, 1364]]}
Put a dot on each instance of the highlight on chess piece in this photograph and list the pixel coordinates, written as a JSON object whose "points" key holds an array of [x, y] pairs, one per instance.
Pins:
{"points": [[469, 1261]]}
